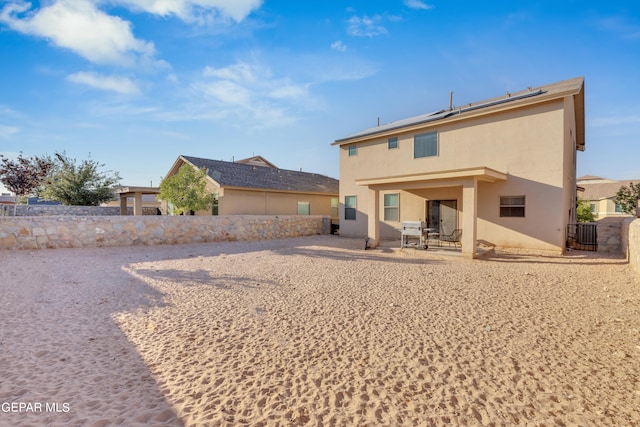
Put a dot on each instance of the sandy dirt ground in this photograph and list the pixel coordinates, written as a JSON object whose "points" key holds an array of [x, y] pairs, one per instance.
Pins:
{"points": [[316, 332]]}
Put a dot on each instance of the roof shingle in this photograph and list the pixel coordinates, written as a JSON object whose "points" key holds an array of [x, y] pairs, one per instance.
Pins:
{"points": [[231, 174]]}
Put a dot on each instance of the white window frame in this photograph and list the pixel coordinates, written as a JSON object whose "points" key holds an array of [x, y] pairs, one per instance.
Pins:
{"points": [[510, 206], [391, 208], [354, 207]]}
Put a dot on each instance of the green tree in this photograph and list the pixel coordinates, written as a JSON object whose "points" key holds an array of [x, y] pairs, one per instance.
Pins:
{"points": [[83, 184], [627, 198], [583, 211], [23, 175], [186, 190]]}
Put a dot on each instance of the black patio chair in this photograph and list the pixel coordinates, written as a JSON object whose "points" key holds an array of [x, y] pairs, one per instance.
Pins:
{"points": [[455, 237]]}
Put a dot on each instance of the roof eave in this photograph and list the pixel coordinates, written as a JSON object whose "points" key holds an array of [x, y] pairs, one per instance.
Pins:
{"points": [[545, 96], [273, 190]]}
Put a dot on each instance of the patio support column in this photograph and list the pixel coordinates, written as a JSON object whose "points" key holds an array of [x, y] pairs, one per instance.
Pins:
{"points": [[373, 213], [137, 203], [469, 217], [123, 204]]}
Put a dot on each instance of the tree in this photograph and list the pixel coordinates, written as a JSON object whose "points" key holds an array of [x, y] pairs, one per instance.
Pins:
{"points": [[81, 184], [23, 175], [583, 211], [627, 198], [186, 190]]}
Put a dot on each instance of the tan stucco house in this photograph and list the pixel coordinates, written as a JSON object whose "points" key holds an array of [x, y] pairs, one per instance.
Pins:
{"points": [[600, 193], [502, 170], [255, 186]]}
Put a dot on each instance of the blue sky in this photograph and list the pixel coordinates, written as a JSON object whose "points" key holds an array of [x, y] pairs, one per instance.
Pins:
{"points": [[135, 83]]}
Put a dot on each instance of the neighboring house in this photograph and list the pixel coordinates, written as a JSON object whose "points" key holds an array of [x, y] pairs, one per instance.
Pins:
{"points": [[140, 199], [255, 186], [601, 194], [7, 199], [502, 170], [36, 201]]}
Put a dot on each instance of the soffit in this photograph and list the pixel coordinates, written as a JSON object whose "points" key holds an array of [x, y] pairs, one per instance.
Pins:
{"points": [[444, 178]]}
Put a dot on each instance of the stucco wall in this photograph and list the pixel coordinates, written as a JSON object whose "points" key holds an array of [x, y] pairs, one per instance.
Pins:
{"points": [[97, 231], [532, 145], [631, 242], [610, 234]]}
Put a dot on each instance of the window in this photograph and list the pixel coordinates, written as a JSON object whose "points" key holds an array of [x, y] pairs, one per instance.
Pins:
{"points": [[334, 207], [392, 143], [618, 208], [592, 207], [512, 206], [215, 204], [391, 207], [349, 207], [425, 145], [353, 150], [304, 208]]}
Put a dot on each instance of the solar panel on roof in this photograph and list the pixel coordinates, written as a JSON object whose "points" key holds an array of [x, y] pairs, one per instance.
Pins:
{"points": [[438, 115], [502, 100]]}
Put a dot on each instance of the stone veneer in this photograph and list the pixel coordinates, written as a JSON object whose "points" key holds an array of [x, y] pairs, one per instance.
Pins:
{"points": [[99, 231]]}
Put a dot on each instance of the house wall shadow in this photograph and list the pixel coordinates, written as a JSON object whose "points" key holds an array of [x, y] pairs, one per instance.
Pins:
{"points": [[66, 346]]}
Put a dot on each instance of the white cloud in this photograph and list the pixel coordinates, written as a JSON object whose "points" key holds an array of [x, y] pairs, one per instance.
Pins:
{"points": [[77, 25], [250, 90], [620, 26], [365, 26], [339, 46], [240, 72], [630, 119], [417, 4], [202, 11], [8, 131], [117, 84]]}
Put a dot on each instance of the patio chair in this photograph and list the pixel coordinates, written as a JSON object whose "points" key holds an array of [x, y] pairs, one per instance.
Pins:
{"points": [[454, 237]]}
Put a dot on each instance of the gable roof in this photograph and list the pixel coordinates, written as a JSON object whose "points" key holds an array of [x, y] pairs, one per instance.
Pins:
{"points": [[239, 175], [603, 188], [257, 161], [528, 96]]}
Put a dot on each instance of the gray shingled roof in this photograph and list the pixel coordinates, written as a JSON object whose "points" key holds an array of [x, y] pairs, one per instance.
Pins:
{"points": [[603, 190], [230, 174]]}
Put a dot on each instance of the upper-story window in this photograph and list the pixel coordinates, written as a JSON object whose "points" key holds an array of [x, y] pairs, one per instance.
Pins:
{"points": [[392, 143], [425, 145], [353, 150]]}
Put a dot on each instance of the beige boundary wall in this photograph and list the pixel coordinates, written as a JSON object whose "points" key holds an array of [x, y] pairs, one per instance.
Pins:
{"points": [[631, 242], [99, 231]]}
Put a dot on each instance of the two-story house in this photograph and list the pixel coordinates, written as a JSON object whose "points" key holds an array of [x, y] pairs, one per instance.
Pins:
{"points": [[502, 170]]}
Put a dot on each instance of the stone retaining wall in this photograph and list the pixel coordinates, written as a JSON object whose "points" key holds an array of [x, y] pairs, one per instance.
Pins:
{"points": [[98, 231]]}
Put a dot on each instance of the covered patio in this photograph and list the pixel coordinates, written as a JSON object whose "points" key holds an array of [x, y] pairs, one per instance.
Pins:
{"points": [[466, 179], [136, 193]]}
